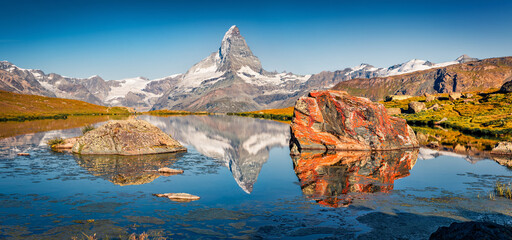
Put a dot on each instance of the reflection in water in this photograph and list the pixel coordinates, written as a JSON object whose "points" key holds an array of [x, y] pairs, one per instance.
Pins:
{"points": [[242, 144], [126, 170], [335, 179]]}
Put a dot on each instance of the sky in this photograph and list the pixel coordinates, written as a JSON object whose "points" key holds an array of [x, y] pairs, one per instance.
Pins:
{"points": [[156, 38]]}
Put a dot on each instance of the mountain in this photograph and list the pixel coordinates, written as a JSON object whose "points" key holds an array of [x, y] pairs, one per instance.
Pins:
{"points": [[327, 79], [465, 76], [231, 80], [14, 79], [139, 92]]}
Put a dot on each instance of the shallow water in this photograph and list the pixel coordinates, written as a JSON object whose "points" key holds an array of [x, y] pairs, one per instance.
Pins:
{"points": [[249, 186]]}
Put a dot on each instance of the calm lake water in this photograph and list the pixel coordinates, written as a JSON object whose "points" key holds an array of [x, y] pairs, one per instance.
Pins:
{"points": [[250, 188]]}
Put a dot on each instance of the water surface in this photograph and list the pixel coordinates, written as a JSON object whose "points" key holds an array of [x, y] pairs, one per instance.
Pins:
{"points": [[249, 186]]}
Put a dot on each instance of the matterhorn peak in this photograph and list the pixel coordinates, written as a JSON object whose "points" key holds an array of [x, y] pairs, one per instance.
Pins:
{"points": [[234, 53], [233, 31]]}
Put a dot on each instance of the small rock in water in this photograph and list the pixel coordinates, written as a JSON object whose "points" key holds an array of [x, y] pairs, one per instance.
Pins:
{"points": [[126, 137], [23, 154], [170, 170], [178, 197], [66, 145], [166, 170]]}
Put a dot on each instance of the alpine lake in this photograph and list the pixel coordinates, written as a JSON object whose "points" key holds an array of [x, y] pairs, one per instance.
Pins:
{"points": [[249, 186]]}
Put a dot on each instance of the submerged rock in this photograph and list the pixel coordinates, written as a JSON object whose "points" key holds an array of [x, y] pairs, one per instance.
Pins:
{"points": [[165, 171], [126, 137], [472, 230], [178, 197], [334, 120]]}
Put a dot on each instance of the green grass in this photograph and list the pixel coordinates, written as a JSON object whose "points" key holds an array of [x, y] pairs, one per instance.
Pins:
{"points": [[87, 129], [485, 114], [280, 114], [55, 141], [164, 112]]}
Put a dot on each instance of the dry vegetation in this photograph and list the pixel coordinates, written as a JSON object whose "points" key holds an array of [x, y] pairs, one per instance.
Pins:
{"points": [[15, 106]]}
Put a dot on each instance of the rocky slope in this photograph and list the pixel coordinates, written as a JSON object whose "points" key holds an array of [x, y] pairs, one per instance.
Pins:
{"points": [[139, 92], [464, 77]]}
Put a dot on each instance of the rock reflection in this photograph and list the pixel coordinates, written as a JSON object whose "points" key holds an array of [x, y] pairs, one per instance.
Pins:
{"points": [[242, 144], [127, 170], [335, 179]]}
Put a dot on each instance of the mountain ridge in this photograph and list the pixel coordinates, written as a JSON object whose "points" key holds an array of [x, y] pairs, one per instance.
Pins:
{"points": [[231, 79]]}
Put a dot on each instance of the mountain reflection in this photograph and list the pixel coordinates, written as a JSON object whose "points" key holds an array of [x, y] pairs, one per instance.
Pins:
{"points": [[335, 179], [126, 170], [242, 144]]}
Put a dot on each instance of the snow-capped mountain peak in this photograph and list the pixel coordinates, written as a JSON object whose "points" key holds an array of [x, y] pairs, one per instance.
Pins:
{"points": [[465, 58]]}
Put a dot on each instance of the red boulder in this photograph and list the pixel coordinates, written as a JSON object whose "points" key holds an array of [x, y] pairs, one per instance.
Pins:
{"points": [[334, 120]]}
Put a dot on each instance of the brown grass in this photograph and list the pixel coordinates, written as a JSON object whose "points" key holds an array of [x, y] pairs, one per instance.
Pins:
{"points": [[23, 106]]}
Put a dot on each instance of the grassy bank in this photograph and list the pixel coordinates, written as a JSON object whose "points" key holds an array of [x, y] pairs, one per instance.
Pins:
{"points": [[165, 112], [21, 107], [280, 114], [14, 128], [483, 114]]}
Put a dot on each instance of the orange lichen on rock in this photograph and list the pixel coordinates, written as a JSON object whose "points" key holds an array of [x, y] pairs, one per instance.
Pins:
{"points": [[334, 120]]}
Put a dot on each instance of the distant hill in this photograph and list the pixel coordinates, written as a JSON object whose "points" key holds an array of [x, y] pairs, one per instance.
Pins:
{"points": [[464, 77], [23, 106]]}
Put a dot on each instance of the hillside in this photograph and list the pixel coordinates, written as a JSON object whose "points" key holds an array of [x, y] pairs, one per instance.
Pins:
{"points": [[465, 77], [14, 106], [484, 114]]}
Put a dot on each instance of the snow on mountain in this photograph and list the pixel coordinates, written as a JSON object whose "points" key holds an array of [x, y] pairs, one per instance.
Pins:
{"points": [[407, 67], [413, 66], [134, 85], [203, 71], [250, 76]]}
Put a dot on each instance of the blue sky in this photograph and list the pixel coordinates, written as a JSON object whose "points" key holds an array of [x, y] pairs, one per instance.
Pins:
{"points": [[121, 39]]}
